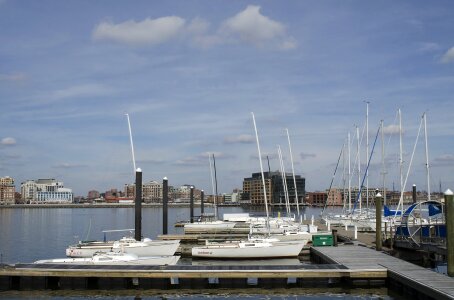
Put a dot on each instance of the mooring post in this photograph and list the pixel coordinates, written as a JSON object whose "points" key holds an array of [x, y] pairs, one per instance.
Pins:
{"points": [[378, 214], [138, 205], [334, 232], [449, 211], [356, 232], [191, 205], [414, 193], [312, 220], [202, 203], [165, 200]]}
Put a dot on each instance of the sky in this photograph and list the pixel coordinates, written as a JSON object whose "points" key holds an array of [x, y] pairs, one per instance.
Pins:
{"points": [[189, 74]]}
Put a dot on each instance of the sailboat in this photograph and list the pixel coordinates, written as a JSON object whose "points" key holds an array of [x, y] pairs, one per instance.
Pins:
{"points": [[114, 258], [253, 247], [210, 225], [128, 245]]}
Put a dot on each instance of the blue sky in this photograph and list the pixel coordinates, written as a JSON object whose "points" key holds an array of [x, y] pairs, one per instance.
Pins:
{"points": [[189, 73]]}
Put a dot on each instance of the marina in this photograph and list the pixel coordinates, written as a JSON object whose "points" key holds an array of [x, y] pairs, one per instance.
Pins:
{"points": [[347, 265]]}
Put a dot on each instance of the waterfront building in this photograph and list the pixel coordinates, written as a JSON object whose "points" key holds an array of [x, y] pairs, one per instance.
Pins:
{"points": [[152, 191], [7, 190], [93, 194], [317, 198], [45, 191], [253, 188]]}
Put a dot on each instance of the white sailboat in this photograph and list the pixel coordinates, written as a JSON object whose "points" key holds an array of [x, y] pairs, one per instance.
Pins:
{"points": [[210, 225], [145, 247], [250, 249], [114, 258], [253, 247], [127, 245]]}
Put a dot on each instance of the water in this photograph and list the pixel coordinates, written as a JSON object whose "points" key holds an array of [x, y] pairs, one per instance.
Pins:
{"points": [[30, 234]]}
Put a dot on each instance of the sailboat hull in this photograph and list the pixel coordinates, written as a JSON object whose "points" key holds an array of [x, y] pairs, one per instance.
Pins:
{"points": [[143, 248], [250, 250]]}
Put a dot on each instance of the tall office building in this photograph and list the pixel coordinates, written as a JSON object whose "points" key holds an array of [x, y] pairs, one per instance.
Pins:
{"points": [[253, 188]]}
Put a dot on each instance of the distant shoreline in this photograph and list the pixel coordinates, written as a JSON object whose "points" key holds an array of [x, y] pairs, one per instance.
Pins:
{"points": [[101, 205]]}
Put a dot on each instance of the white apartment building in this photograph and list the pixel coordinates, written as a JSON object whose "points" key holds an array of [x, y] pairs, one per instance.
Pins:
{"points": [[46, 191]]}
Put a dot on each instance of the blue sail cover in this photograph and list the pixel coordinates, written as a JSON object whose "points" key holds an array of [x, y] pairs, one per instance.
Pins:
{"points": [[434, 209], [389, 212]]}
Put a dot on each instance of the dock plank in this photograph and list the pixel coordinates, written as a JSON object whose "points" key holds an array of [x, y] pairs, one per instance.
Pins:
{"points": [[423, 280]]}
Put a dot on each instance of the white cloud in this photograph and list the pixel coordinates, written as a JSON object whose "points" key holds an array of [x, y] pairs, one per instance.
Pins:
{"points": [[68, 166], [391, 129], [146, 32], [240, 139], [448, 56], [252, 27], [8, 141], [81, 91], [12, 77]]}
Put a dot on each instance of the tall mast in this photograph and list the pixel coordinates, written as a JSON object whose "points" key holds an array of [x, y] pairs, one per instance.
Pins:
{"points": [[261, 170], [367, 155], [293, 171], [401, 161], [343, 177], [212, 185], [216, 182], [284, 180], [359, 168], [349, 176], [427, 156], [132, 145], [383, 161]]}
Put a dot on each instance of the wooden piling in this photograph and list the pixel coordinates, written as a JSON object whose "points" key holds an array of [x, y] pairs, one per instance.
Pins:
{"points": [[165, 200], [449, 211], [378, 215], [191, 205], [202, 204], [138, 206]]}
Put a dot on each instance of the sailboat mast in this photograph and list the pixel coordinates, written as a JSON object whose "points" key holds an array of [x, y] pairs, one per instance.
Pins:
{"points": [[349, 176], [293, 171], [132, 145], [284, 181], [261, 170], [401, 161], [383, 161], [367, 156], [212, 186], [427, 156], [359, 167]]}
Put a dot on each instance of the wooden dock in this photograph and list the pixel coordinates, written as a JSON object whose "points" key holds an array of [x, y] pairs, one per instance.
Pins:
{"points": [[38, 277], [401, 274]]}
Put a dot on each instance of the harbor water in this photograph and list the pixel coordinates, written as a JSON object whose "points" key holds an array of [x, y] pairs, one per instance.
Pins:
{"points": [[30, 234]]}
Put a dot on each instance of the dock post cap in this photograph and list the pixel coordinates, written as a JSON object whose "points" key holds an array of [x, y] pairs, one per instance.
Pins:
{"points": [[414, 184], [448, 192], [378, 195], [138, 170], [165, 178]]}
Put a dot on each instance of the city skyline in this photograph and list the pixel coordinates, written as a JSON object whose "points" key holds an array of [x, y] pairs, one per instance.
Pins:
{"points": [[190, 73]]}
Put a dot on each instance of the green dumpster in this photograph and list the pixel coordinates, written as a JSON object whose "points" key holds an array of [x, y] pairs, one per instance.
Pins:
{"points": [[319, 240]]}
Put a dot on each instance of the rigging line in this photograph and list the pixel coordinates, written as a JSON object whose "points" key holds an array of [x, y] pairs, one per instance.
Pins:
{"points": [[401, 202], [367, 168], [332, 179]]}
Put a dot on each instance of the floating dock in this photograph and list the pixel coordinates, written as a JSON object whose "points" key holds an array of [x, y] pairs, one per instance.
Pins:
{"points": [[340, 266], [401, 275]]}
